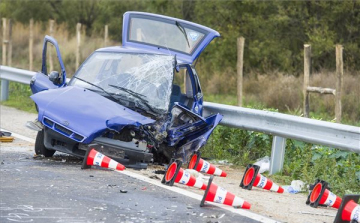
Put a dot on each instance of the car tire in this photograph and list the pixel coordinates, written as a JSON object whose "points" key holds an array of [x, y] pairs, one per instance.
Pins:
{"points": [[40, 148]]}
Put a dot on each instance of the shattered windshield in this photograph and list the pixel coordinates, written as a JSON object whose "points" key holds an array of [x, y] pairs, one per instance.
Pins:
{"points": [[144, 79]]}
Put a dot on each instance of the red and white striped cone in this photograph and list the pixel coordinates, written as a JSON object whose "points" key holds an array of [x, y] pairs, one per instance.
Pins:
{"points": [[320, 195], [349, 210], [203, 166], [177, 174], [219, 195], [253, 178], [96, 158]]}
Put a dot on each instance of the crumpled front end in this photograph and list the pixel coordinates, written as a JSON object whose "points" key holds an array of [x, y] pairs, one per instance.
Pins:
{"points": [[83, 115], [196, 141], [76, 118]]}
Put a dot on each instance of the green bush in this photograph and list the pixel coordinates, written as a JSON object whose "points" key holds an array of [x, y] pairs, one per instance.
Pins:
{"points": [[239, 146]]}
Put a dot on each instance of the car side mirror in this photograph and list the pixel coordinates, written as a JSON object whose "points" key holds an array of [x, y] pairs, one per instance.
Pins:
{"points": [[55, 77]]}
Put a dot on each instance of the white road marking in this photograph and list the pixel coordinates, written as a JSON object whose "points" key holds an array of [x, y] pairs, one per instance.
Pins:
{"points": [[198, 197], [181, 191]]}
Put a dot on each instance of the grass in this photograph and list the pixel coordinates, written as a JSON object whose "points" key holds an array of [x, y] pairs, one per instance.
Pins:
{"points": [[19, 97], [67, 43], [319, 114], [284, 93]]}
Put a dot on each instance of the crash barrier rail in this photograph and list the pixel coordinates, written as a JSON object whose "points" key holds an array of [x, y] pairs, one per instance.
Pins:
{"points": [[281, 126]]}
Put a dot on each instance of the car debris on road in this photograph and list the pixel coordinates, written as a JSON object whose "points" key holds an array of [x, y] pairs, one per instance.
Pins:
{"points": [[6, 136]]}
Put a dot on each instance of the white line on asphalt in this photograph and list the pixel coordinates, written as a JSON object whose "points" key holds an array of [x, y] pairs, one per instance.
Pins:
{"points": [[198, 197], [20, 136]]}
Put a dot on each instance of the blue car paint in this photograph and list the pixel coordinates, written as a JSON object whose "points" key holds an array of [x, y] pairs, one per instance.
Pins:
{"points": [[85, 112], [177, 134], [186, 58], [197, 107], [198, 102], [43, 65], [40, 82], [195, 92], [198, 141]]}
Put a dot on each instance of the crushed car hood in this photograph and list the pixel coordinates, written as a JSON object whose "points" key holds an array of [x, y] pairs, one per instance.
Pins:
{"points": [[75, 110]]}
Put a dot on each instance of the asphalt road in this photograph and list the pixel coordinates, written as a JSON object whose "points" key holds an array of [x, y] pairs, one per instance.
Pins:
{"points": [[57, 190]]}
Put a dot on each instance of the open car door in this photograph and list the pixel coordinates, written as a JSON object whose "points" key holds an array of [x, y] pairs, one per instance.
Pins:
{"points": [[166, 35], [43, 80]]}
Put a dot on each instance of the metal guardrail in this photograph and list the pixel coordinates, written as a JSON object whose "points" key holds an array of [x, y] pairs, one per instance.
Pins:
{"points": [[15, 74], [340, 136], [12, 74], [281, 126]]}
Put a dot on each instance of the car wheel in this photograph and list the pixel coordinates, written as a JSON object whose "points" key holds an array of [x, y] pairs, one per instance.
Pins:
{"points": [[40, 148]]}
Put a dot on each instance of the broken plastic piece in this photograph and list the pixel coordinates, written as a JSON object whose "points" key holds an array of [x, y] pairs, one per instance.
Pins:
{"points": [[263, 163], [2, 133], [6, 137], [36, 125]]}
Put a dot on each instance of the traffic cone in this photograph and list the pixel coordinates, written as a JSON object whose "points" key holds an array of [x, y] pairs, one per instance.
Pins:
{"points": [[252, 177], [176, 174], [219, 195], [93, 157], [321, 195], [349, 210], [203, 166]]}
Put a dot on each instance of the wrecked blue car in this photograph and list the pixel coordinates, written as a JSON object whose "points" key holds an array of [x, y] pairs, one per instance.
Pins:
{"points": [[138, 103]]}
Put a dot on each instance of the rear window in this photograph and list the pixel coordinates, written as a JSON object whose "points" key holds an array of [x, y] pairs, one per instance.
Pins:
{"points": [[165, 33]]}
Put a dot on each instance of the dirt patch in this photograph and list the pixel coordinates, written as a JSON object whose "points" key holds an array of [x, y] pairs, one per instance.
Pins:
{"points": [[282, 207]]}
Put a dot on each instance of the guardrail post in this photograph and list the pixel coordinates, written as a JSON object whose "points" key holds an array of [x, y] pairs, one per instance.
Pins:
{"points": [[4, 83], [4, 90], [277, 154]]}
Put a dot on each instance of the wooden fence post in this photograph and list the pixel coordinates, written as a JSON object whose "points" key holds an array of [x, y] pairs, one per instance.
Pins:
{"points": [[78, 37], [339, 82], [4, 83], [4, 42], [307, 71], [106, 35], [239, 67], [9, 63], [51, 64], [31, 44]]}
